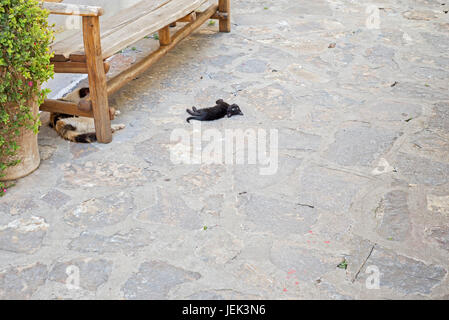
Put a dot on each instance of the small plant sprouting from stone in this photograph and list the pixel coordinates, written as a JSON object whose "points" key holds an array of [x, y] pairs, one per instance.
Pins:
{"points": [[409, 119], [133, 48], [343, 264], [156, 36], [211, 22], [265, 8], [205, 228]]}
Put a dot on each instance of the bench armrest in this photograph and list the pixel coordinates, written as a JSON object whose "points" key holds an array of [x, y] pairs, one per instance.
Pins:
{"points": [[72, 9]]}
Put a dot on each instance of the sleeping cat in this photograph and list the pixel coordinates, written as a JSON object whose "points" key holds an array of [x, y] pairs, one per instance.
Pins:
{"points": [[221, 110], [77, 129]]}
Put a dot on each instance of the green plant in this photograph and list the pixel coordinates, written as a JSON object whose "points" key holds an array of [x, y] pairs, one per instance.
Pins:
{"points": [[25, 38], [343, 264]]}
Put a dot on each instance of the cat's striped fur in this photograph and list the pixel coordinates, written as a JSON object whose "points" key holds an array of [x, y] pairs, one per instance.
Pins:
{"points": [[77, 129]]}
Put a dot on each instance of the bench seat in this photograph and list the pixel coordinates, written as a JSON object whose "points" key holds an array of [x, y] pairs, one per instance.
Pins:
{"points": [[127, 27]]}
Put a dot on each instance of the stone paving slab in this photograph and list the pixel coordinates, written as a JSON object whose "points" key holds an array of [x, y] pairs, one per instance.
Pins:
{"points": [[358, 207]]}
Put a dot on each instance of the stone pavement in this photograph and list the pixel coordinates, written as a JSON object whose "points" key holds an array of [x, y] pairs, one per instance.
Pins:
{"points": [[359, 206]]}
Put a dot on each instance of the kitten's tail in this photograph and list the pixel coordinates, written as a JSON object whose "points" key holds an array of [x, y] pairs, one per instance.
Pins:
{"points": [[191, 118]]}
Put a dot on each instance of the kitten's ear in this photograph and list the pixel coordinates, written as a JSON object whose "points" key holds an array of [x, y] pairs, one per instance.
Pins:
{"points": [[219, 101]]}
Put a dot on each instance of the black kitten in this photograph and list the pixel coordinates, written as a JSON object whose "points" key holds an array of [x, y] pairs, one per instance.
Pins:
{"points": [[221, 110]]}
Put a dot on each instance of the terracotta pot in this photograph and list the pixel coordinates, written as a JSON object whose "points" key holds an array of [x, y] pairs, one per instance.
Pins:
{"points": [[28, 152]]}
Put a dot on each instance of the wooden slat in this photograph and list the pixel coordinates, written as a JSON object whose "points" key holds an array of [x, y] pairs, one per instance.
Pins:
{"points": [[58, 58], [72, 9], [74, 43], [188, 18], [60, 106], [124, 77], [97, 79], [120, 31], [75, 67], [172, 11], [77, 57], [129, 15]]}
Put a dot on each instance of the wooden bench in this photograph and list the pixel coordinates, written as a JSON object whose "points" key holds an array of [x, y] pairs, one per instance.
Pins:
{"points": [[87, 52]]}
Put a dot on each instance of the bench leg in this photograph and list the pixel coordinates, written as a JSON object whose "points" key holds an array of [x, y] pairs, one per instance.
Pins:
{"points": [[224, 6], [164, 36], [97, 78]]}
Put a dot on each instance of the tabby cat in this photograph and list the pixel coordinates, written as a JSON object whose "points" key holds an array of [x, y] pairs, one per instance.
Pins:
{"points": [[77, 129]]}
